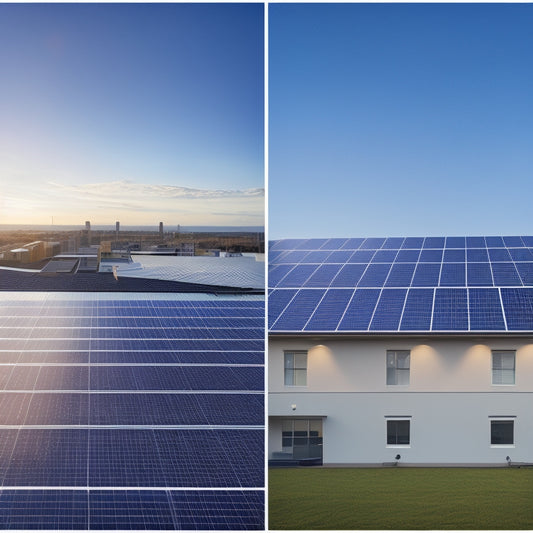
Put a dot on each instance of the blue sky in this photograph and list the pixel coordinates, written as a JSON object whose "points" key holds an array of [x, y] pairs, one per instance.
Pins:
{"points": [[394, 120], [132, 112]]}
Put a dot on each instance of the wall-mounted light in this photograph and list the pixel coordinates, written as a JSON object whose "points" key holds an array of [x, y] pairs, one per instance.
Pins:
{"points": [[293, 407]]}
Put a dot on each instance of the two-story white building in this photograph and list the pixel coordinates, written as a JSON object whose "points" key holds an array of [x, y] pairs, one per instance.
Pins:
{"points": [[416, 350]]}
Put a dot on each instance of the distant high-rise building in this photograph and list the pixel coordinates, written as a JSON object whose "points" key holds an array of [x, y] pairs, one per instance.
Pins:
{"points": [[161, 229], [117, 229], [88, 230]]}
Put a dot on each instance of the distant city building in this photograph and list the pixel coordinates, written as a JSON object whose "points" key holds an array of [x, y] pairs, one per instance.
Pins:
{"points": [[161, 229]]}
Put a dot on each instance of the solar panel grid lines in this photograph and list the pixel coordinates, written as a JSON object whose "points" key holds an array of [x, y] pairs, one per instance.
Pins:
{"points": [[465, 265], [61, 410]]}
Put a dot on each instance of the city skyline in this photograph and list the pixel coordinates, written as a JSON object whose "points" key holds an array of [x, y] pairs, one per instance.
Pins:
{"points": [[133, 112]]}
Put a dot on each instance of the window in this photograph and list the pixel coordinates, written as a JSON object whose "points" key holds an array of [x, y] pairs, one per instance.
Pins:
{"points": [[302, 438], [503, 367], [398, 432], [296, 368], [398, 367], [501, 432]]}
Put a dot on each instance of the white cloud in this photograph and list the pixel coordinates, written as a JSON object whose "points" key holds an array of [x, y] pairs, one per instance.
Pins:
{"points": [[135, 203]]}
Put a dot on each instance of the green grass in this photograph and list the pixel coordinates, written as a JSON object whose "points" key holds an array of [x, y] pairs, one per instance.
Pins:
{"points": [[401, 498]]}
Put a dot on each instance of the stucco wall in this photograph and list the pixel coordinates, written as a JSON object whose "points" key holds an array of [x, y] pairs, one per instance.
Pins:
{"points": [[450, 399]]}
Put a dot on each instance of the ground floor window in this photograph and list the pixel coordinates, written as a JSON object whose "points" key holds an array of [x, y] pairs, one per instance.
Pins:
{"points": [[502, 432], [302, 437], [398, 432]]}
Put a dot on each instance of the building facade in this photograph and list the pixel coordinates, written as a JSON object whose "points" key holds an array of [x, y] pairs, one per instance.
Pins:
{"points": [[374, 361]]}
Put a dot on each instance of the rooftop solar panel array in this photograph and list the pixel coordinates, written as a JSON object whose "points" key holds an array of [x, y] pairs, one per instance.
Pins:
{"points": [[131, 411], [431, 284]]}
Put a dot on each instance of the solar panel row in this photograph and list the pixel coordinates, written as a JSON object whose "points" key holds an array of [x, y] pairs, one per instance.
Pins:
{"points": [[159, 397], [431, 309], [398, 274], [401, 284], [397, 243], [131, 509]]}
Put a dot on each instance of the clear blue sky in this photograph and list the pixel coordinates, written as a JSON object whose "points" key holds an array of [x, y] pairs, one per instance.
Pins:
{"points": [[395, 120], [132, 112]]}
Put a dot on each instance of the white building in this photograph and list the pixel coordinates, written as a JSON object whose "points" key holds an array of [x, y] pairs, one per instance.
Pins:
{"points": [[416, 351]]}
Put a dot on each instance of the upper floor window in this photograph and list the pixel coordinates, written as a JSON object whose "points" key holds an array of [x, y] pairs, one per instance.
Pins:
{"points": [[295, 368], [503, 367], [398, 362]]}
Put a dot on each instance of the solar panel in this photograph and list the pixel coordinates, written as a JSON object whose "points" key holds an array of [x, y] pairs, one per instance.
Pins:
{"points": [[444, 284], [159, 394], [329, 312]]}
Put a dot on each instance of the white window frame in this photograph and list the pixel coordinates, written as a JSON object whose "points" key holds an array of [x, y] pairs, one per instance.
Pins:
{"points": [[294, 368], [493, 370], [502, 419], [397, 419], [396, 368]]}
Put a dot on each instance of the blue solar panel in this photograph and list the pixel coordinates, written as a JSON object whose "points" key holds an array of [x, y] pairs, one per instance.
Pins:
{"points": [[372, 243], [454, 256], [475, 242], [176, 458], [400, 275], [477, 255], [277, 301], [334, 244], [104, 412], [426, 275], [323, 276], [384, 256], [298, 312], [130, 509], [362, 256], [312, 244], [218, 510], [352, 244], [349, 275], [478, 274], [456, 263], [521, 254], [413, 242], [297, 276], [43, 509], [318, 256], [339, 256], [511, 242], [518, 307], [375, 275], [393, 243], [430, 256], [496, 242], [418, 310], [330, 310], [452, 275], [526, 272], [434, 242], [407, 256], [389, 310], [455, 242], [505, 274], [485, 310], [360, 310], [276, 274], [450, 311]]}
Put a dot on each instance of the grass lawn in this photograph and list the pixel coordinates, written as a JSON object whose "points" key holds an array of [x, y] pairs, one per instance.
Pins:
{"points": [[400, 498]]}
